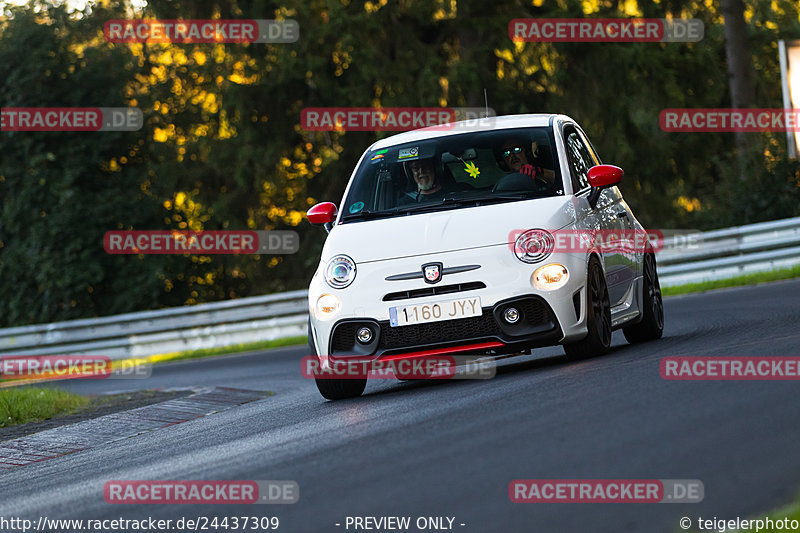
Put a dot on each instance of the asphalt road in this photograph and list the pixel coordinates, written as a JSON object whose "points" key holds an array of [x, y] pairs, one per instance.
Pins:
{"points": [[451, 448]]}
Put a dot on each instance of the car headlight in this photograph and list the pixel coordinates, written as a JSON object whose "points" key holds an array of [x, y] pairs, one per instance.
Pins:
{"points": [[550, 277], [534, 246], [340, 272], [328, 306]]}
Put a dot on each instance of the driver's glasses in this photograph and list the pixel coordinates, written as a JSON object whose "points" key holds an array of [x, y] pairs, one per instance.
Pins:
{"points": [[514, 150], [419, 168]]}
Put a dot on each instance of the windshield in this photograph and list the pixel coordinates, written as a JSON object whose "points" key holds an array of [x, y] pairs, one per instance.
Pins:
{"points": [[453, 171]]}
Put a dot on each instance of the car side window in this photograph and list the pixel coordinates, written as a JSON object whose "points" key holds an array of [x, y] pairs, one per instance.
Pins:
{"points": [[592, 152], [579, 157]]}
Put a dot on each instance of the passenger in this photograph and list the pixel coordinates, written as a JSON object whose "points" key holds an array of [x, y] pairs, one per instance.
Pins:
{"points": [[429, 186]]}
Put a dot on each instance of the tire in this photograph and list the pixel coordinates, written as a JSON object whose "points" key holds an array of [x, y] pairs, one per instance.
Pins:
{"points": [[311, 346], [652, 325], [341, 389], [336, 389], [598, 317]]}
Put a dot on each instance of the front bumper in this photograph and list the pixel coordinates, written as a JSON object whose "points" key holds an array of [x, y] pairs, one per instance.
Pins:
{"points": [[537, 326], [548, 317]]}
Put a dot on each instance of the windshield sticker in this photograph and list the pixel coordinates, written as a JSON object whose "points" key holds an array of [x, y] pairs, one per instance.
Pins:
{"points": [[408, 153], [377, 156], [471, 169], [356, 207]]}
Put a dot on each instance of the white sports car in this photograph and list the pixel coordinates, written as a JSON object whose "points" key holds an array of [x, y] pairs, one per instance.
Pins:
{"points": [[488, 240]]}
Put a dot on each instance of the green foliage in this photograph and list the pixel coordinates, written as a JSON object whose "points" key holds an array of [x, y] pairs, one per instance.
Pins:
{"points": [[58, 196], [20, 405]]}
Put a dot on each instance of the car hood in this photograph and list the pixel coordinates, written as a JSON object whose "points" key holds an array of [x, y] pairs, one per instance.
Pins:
{"points": [[448, 230]]}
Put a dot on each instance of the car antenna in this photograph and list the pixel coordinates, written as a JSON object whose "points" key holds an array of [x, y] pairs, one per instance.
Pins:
{"points": [[486, 101]]}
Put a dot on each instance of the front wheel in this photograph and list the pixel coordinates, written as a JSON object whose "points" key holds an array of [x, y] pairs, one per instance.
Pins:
{"points": [[652, 325], [598, 317], [336, 389], [341, 389]]}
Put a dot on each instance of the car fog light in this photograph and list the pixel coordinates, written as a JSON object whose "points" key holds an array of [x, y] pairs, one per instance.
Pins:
{"points": [[328, 306], [550, 277], [364, 335], [511, 315]]}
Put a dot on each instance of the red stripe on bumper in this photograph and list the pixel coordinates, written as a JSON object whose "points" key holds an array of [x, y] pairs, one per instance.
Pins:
{"points": [[441, 351]]}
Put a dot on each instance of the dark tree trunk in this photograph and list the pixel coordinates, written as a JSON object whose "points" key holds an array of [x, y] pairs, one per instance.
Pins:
{"points": [[740, 73]]}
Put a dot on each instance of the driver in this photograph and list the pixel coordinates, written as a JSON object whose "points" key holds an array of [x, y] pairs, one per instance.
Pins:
{"points": [[518, 159]]}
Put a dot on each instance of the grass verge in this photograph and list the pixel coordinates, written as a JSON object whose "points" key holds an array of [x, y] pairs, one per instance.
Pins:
{"points": [[788, 513], [792, 512], [747, 279], [122, 365], [24, 405], [236, 348]]}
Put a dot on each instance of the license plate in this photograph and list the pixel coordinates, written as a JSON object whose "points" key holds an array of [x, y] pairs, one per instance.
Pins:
{"points": [[434, 312]]}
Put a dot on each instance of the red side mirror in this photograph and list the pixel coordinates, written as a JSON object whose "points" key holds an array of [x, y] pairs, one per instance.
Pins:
{"points": [[324, 213], [605, 176]]}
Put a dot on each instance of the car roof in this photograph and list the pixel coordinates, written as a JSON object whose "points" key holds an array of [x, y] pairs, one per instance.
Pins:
{"points": [[465, 126]]}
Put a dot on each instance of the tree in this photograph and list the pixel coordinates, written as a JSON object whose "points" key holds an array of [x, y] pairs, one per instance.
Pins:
{"points": [[740, 74]]}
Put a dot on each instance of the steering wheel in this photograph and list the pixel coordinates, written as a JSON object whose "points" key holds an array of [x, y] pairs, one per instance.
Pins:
{"points": [[521, 182]]}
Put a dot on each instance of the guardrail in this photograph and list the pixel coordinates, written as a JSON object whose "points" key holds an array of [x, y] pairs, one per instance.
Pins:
{"points": [[706, 256], [730, 252], [194, 327]]}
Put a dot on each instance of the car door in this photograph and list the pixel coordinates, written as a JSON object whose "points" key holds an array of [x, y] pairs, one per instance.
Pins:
{"points": [[604, 217], [629, 252]]}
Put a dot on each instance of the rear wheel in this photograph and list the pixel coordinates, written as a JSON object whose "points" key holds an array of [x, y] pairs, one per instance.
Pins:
{"points": [[336, 389], [598, 317], [652, 325]]}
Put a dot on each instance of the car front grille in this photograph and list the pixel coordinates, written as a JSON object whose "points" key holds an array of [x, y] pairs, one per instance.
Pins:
{"points": [[433, 291], [536, 318], [438, 332]]}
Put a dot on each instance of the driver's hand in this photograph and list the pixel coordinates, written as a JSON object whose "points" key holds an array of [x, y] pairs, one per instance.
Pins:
{"points": [[536, 173], [528, 170]]}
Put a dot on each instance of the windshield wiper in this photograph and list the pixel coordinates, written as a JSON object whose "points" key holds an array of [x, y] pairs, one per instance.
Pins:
{"points": [[504, 196], [428, 205], [468, 200], [366, 214]]}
